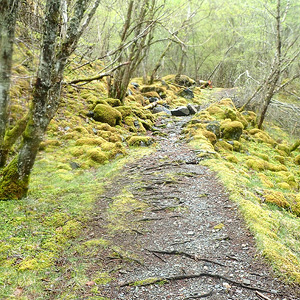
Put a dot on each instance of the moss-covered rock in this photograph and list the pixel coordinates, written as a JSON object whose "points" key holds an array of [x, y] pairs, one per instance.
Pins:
{"points": [[140, 141], [231, 130], [214, 127], [107, 114]]}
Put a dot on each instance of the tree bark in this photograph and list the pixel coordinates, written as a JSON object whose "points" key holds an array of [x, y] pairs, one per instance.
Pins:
{"points": [[46, 96], [8, 13]]}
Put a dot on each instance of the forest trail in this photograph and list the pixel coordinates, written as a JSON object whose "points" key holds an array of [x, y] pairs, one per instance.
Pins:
{"points": [[168, 217]]}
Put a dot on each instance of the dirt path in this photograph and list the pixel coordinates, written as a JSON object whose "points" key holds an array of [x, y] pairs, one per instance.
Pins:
{"points": [[178, 207]]}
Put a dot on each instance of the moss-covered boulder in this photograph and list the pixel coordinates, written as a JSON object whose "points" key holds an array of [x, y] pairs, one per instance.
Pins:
{"points": [[140, 141], [214, 127], [231, 130], [107, 114]]}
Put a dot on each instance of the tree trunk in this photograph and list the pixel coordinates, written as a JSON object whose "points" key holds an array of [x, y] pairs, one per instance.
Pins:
{"points": [[46, 96], [158, 64], [8, 13]]}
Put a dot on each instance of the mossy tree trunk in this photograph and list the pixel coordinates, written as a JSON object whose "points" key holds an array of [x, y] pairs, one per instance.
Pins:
{"points": [[8, 14], [47, 89]]}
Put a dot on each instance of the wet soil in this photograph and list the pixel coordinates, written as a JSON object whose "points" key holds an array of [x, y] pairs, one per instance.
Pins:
{"points": [[189, 235]]}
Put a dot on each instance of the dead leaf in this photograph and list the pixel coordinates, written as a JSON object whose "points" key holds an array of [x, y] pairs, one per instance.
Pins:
{"points": [[90, 283], [18, 292]]}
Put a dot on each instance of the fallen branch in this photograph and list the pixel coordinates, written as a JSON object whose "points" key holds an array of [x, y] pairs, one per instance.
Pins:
{"points": [[191, 256], [154, 280], [151, 105], [100, 76]]}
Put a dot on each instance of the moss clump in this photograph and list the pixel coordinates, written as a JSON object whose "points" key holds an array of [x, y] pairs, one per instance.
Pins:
{"points": [[113, 102], [232, 158], [97, 141], [285, 148], [49, 143], [107, 114], [280, 158], [297, 160], [231, 130], [140, 141], [284, 185], [124, 110], [97, 156], [216, 111], [261, 136], [250, 117], [276, 197], [265, 180], [223, 145], [255, 164], [210, 136]]}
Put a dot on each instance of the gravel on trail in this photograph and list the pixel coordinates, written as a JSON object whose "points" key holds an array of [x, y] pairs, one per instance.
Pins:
{"points": [[189, 236]]}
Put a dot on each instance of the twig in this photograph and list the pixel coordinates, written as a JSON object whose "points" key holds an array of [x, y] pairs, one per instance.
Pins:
{"points": [[191, 256], [262, 296], [154, 280]]}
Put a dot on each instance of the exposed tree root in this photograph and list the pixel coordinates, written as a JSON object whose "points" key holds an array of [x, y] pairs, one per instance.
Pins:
{"points": [[154, 280], [191, 256]]}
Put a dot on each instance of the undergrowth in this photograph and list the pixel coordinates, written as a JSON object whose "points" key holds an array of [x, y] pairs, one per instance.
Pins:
{"points": [[38, 235], [261, 172]]}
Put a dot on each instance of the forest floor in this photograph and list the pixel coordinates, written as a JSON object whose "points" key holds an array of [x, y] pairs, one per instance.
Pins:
{"points": [[166, 229]]}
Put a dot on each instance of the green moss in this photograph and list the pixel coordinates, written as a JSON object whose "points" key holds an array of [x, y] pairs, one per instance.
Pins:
{"points": [[97, 141], [223, 145], [231, 130], [265, 180], [96, 243], [97, 155], [284, 147], [276, 197], [280, 158], [107, 114], [11, 186], [113, 102], [103, 278], [284, 185], [297, 160], [140, 141], [232, 158], [147, 281], [250, 117], [255, 164], [124, 110]]}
